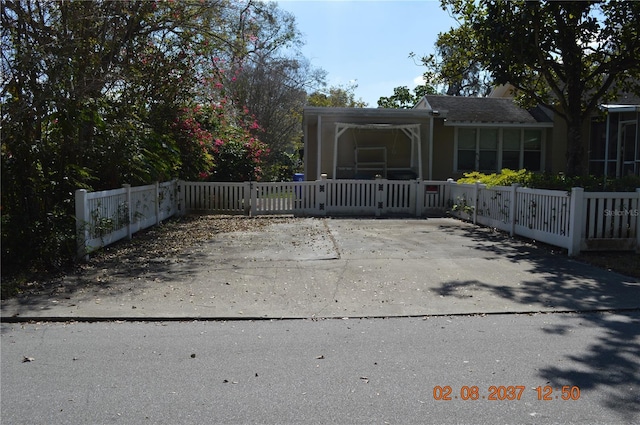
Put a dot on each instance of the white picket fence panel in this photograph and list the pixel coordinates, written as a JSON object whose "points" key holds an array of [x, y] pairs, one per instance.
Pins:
{"points": [[544, 215], [351, 197], [611, 221], [576, 220], [573, 220], [215, 197], [105, 217]]}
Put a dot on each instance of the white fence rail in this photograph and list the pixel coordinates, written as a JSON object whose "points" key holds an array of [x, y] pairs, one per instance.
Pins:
{"points": [[573, 220]]}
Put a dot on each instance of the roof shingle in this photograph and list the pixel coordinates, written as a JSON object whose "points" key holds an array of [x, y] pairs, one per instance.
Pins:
{"points": [[484, 110]]}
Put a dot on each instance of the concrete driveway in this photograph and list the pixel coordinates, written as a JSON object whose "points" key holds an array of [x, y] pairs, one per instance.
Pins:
{"points": [[333, 267]]}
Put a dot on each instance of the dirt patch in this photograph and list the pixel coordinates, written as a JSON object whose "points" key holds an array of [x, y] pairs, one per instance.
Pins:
{"points": [[626, 263]]}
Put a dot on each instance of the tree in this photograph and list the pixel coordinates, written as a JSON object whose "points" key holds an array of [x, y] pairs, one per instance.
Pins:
{"points": [[454, 66], [96, 94], [275, 90], [336, 97], [75, 98], [402, 98], [567, 55]]}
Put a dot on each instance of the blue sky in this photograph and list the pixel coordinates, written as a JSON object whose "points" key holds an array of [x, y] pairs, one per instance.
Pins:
{"points": [[369, 41]]}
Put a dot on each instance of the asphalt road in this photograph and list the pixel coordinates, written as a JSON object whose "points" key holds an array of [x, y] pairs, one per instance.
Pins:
{"points": [[372, 371]]}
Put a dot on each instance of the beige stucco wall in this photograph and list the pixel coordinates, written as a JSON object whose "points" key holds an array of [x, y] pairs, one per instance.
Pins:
{"points": [[557, 147], [443, 144], [310, 152]]}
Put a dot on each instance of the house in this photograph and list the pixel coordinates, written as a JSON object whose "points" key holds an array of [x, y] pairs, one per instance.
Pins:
{"points": [[445, 136], [442, 137], [614, 138]]}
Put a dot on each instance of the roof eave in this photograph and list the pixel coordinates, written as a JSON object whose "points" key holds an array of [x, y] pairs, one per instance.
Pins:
{"points": [[448, 123]]}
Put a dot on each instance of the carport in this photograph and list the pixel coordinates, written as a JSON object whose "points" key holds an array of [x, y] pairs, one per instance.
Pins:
{"points": [[373, 157], [361, 143]]}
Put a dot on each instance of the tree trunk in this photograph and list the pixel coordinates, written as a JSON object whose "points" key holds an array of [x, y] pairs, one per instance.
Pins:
{"points": [[576, 152]]}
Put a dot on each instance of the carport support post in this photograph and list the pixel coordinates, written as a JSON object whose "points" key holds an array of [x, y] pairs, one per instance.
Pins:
{"points": [[512, 209], [576, 215]]}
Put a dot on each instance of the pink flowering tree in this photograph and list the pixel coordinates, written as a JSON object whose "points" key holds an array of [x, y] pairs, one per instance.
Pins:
{"points": [[218, 146]]}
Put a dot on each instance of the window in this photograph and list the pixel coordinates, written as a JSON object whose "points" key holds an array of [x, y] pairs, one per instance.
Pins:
{"points": [[532, 149], [466, 149], [603, 157], [488, 156], [618, 152], [511, 148], [492, 149]]}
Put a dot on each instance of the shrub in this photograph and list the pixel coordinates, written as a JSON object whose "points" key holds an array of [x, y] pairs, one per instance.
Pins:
{"points": [[553, 181]]}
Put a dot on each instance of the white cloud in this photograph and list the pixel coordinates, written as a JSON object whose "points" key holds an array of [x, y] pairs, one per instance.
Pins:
{"points": [[419, 80]]}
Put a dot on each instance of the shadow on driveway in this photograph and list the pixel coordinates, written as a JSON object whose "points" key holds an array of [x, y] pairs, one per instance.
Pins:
{"points": [[611, 364]]}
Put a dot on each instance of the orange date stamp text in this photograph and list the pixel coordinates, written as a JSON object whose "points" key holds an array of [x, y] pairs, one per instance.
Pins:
{"points": [[505, 392]]}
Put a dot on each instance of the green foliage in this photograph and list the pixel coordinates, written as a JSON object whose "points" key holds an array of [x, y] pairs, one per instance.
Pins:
{"points": [[403, 98], [336, 97], [505, 178], [94, 95], [285, 165], [462, 205], [552, 181], [455, 69], [569, 56]]}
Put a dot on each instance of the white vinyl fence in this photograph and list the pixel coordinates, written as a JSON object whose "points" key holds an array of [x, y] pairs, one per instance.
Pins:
{"points": [[576, 220], [103, 218], [316, 198], [573, 220]]}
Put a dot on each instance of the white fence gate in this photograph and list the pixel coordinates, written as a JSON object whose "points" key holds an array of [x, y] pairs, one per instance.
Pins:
{"points": [[573, 220]]}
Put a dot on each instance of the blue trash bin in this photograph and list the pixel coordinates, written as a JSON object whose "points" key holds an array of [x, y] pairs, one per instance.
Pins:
{"points": [[298, 177]]}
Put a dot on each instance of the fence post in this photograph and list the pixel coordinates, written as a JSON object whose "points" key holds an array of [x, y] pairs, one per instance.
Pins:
{"points": [[381, 195], [418, 194], [447, 193], [157, 203], [181, 207], [129, 217], [321, 195], [576, 224], [82, 224], [512, 208], [253, 199], [637, 214], [476, 191]]}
